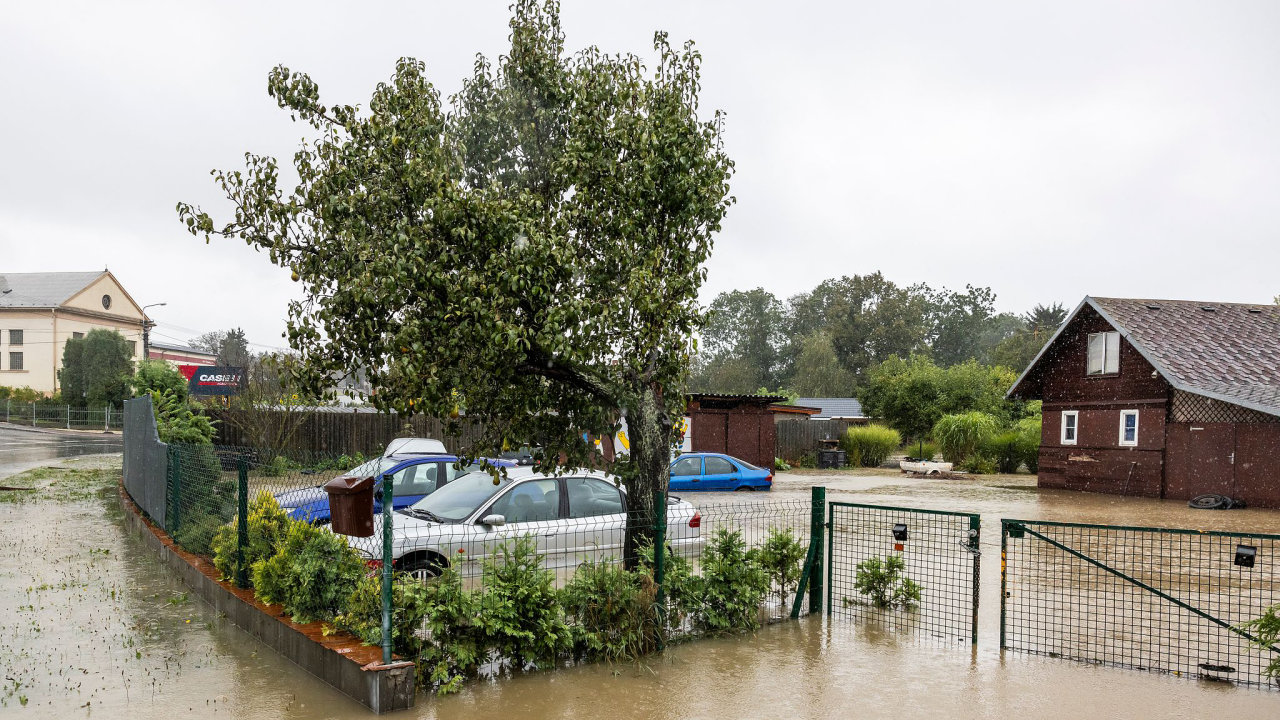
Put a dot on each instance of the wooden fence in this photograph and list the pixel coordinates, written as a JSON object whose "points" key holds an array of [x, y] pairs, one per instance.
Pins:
{"points": [[797, 437], [329, 432], [337, 432]]}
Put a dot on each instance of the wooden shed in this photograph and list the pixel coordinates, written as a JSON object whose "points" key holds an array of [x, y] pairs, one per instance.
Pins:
{"points": [[737, 425], [1161, 398]]}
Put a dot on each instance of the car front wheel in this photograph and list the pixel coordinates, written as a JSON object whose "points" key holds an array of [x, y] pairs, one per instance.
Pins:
{"points": [[423, 567]]}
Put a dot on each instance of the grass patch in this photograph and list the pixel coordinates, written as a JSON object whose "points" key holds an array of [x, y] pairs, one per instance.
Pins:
{"points": [[57, 484]]}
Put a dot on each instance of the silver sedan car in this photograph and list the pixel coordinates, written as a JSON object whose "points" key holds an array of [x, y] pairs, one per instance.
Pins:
{"points": [[577, 517]]}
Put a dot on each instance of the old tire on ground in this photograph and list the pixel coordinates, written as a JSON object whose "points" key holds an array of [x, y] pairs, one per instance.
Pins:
{"points": [[1210, 501]]}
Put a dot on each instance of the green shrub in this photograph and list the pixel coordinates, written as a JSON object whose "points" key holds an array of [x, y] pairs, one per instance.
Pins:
{"points": [[978, 464], [1266, 628], [884, 583], [780, 465], [961, 435], [278, 466], [1004, 451], [732, 585], [175, 421], [197, 534], [520, 613], [456, 645], [268, 525], [923, 450], [362, 613], [1029, 432], [807, 460], [871, 444], [312, 573], [682, 594], [611, 612], [782, 558]]}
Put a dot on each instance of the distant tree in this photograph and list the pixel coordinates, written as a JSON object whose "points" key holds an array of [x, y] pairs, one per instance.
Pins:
{"points": [[867, 318], [96, 369], [537, 246], [1018, 350], [727, 374], [749, 325], [961, 324], [159, 376], [230, 346], [912, 395], [818, 372]]}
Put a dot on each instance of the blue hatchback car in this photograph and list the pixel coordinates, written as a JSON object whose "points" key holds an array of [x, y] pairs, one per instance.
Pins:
{"points": [[713, 471], [413, 477]]}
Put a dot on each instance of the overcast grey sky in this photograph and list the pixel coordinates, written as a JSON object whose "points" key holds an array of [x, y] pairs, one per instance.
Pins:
{"points": [[1047, 150]]}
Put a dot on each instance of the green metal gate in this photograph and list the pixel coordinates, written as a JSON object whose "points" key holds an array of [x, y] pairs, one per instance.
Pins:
{"points": [[907, 569], [1145, 598]]}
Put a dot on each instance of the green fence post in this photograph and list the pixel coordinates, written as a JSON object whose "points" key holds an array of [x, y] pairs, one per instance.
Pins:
{"points": [[975, 532], [242, 522], [660, 560], [386, 569], [175, 460], [817, 518], [1004, 575]]}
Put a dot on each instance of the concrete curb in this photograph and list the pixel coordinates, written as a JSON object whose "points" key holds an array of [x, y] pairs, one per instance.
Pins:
{"points": [[340, 660], [116, 433]]}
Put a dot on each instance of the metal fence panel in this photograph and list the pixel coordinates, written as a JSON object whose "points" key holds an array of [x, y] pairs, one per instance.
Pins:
{"points": [[1143, 598], [939, 556], [145, 459]]}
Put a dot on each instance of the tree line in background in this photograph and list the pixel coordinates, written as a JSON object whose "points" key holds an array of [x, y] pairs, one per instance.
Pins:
{"points": [[826, 342]]}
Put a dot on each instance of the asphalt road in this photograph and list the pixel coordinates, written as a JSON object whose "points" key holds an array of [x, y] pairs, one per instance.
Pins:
{"points": [[25, 448]]}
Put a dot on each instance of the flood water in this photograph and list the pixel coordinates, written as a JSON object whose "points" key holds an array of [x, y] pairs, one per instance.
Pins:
{"points": [[92, 625]]}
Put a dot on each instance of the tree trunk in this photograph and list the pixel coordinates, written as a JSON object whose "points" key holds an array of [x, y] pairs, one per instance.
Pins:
{"points": [[649, 426]]}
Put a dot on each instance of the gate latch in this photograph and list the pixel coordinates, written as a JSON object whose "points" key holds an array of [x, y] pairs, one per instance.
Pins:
{"points": [[971, 544]]}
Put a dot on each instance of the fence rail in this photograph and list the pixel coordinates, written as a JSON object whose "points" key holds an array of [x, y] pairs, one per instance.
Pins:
{"points": [[795, 438], [1144, 598], [63, 416], [333, 431], [907, 569]]}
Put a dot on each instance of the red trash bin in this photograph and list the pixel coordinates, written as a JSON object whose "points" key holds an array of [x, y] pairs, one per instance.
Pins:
{"points": [[351, 505]]}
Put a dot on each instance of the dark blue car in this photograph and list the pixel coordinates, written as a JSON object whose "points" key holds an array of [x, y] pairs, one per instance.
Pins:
{"points": [[713, 471], [413, 477]]}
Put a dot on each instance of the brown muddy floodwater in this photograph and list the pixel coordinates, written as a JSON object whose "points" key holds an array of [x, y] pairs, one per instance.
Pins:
{"points": [[92, 626]]}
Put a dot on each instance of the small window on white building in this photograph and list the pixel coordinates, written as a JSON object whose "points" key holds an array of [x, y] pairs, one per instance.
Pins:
{"points": [[133, 348], [1070, 422], [15, 361], [77, 335], [1104, 353], [1129, 427], [15, 337]]}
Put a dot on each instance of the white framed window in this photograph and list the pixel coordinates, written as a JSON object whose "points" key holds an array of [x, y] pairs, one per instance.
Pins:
{"points": [[1070, 426], [1104, 353], [1128, 428]]}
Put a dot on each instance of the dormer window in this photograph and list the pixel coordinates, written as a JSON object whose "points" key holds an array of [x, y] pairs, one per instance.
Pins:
{"points": [[1104, 353]]}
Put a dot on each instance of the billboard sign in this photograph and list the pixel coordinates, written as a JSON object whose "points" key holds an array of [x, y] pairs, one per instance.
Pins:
{"points": [[217, 380]]}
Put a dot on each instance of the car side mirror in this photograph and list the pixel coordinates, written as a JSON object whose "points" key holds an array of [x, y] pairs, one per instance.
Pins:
{"points": [[493, 520]]}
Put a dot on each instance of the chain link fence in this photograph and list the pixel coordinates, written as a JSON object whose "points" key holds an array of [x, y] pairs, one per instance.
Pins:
{"points": [[1142, 598], [908, 570], [485, 559]]}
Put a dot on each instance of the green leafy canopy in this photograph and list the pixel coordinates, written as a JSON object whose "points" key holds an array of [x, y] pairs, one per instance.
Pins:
{"points": [[535, 246]]}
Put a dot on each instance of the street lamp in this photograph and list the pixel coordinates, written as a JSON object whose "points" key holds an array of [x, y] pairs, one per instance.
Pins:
{"points": [[146, 330]]}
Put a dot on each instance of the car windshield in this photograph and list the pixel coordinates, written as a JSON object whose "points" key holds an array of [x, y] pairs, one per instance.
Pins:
{"points": [[460, 498], [374, 467]]}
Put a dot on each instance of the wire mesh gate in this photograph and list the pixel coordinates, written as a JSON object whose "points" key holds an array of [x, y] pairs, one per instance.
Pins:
{"points": [[911, 570], [1142, 598]]}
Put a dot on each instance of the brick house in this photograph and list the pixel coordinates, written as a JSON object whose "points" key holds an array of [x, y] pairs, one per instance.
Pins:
{"points": [[1161, 398]]}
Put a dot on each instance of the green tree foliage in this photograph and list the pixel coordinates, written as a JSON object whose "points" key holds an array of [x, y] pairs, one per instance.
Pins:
{"points": [[749, 329], [175, 421], [962, 325], [612, 612], [867, 317], [818, 372], [159, 376], [731, 587], [782, 558], [96, 369], [912, 395], [535, 245], [22, 394], [1266, 628], [361, 613], [230, 346], [268, 524], [1018, 350], [960, 435], [870, 445]]}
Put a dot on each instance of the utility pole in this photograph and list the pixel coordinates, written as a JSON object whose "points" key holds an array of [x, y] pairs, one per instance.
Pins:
{"points": [[146, 330]]}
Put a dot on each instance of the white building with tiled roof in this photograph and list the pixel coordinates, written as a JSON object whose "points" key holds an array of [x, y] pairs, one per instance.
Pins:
{"points": [[39, 312]]}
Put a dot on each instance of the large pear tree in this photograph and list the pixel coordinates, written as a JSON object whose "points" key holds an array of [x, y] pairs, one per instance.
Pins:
{"points": [[530, 251]]}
